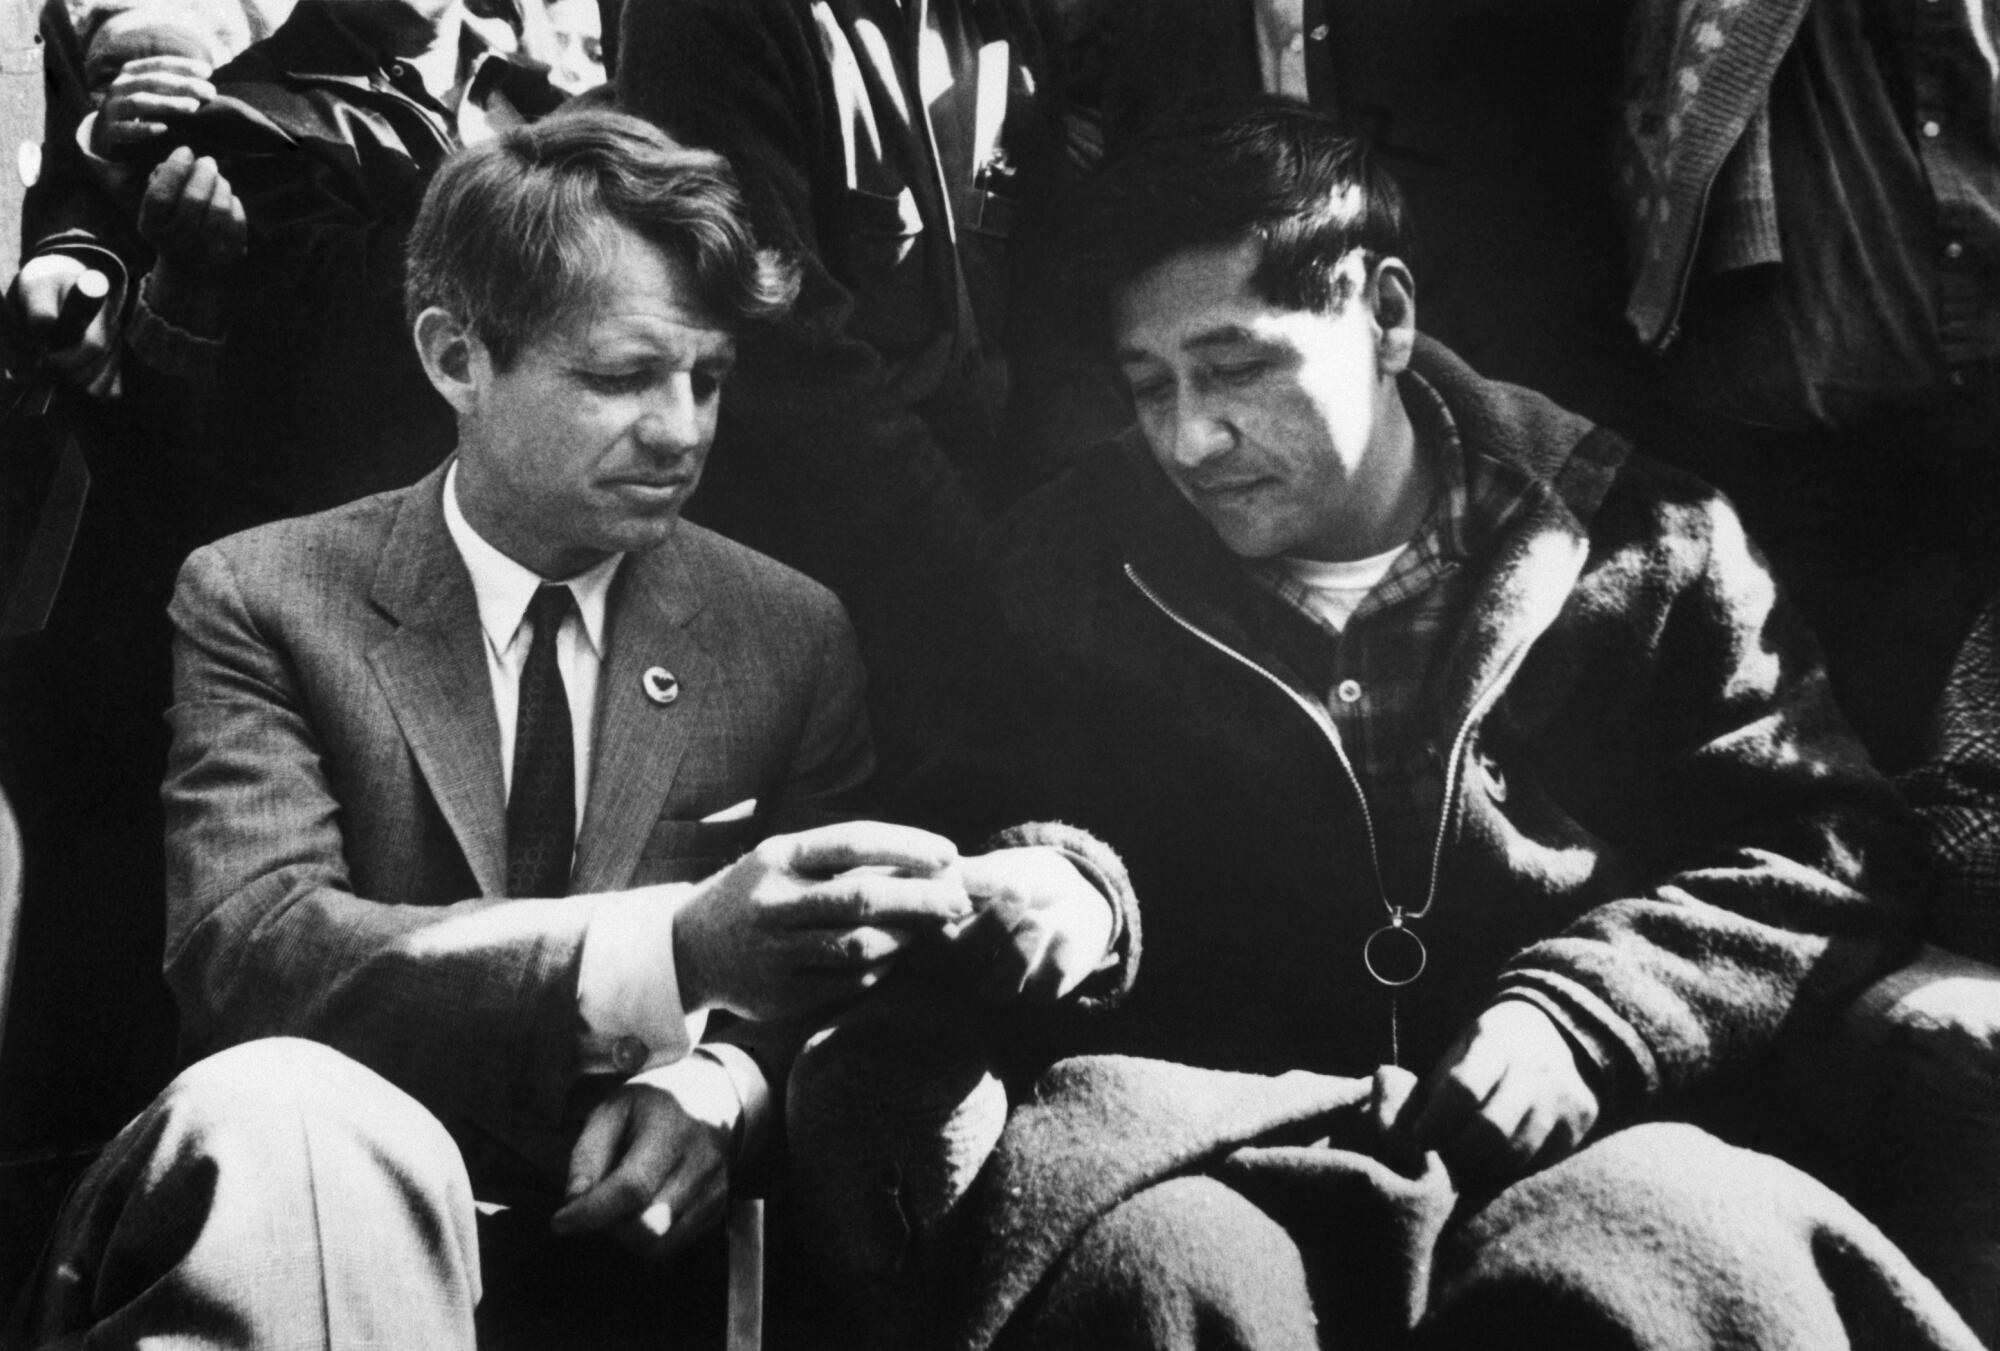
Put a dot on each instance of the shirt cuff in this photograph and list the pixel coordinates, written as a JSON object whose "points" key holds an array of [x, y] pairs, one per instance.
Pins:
{"points": [[721, 1086], [705, 1091], [85, 247], [109, 172], [166, 346], [753, 1096], [627, 992], [1100, 866]]}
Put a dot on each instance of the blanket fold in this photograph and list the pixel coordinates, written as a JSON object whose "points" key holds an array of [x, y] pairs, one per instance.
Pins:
{"points": [[1655, 1237], [1099, 1129]]}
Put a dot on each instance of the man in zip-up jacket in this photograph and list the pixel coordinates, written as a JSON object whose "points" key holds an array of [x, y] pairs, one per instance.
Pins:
{"points": [[1454, 748]]}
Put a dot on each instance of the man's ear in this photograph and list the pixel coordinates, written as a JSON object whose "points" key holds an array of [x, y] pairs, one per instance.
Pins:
{"points": [[452, 357], [1394, 293]]}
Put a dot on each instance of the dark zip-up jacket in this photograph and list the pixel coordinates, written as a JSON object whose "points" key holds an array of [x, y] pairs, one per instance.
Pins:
{"points": [[319, 398], [1656, 825]]}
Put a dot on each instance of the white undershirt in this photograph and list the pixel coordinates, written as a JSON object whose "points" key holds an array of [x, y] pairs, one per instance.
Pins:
{"points": [[1334, 591]]}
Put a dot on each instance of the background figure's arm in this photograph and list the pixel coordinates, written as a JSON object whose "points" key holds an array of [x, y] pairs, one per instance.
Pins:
{"points": [[318, 242]]}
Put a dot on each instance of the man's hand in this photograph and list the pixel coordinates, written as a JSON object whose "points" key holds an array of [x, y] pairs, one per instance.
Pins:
{"points": [[190, 214], [652, 1162], [41, 289], [1507, 1098], [1039, 925], [142, 102], [803, 920]]}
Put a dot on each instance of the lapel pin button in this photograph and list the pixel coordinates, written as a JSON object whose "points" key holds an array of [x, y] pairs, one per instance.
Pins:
{"points": [[661, 687]]}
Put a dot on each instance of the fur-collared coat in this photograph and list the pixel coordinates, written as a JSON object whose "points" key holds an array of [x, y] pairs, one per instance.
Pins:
{"points": [[1656, 826]]}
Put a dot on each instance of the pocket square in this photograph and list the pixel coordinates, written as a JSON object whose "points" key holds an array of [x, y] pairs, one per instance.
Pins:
{"points": [[742, 811]]}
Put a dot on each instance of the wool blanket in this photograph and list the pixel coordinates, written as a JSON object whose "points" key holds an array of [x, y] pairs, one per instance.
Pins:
{"points": [[1658, 1236]]}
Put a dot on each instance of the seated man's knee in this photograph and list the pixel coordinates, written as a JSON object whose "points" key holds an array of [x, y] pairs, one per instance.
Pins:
{"points": [[1932, 1029], [1924, 1133], [1187, 1263], [283, 1095], [1664, 1236], [277, 1166], [282, 1127]]}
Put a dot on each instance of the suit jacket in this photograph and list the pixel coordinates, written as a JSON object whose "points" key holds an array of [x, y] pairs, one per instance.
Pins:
{"points": [[335, 807]]}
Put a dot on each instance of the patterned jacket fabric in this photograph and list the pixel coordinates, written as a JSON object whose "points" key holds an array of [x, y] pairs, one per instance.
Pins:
{"points": [[1958, 796], [1698, 83]]}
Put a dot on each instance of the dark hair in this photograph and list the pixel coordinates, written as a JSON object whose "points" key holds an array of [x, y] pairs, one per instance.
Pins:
{"points": [[511, 234], [1269, 169]]}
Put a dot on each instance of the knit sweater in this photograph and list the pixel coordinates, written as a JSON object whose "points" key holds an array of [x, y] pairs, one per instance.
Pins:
{"points": [[1694, 151]]}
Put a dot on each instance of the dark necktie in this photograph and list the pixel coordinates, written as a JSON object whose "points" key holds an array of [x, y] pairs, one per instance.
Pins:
{"points": [[541, 810]]}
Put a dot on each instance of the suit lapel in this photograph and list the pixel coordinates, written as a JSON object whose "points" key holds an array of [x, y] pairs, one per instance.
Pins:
{"points": [[640, 742], [432, 671]]}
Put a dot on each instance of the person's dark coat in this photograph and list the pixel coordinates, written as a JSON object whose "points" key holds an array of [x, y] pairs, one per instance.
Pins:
{"points": [[319, 398]]}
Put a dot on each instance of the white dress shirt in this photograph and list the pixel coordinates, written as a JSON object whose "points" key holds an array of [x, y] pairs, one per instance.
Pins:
{"points": [[628, 993], [503, 589]]}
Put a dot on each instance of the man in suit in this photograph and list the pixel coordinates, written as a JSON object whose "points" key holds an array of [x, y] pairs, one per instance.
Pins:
{"points": [[459, 773]]}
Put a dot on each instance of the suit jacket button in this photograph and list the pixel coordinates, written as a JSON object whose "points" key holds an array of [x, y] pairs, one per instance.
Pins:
{"points": [[629, 1055]]}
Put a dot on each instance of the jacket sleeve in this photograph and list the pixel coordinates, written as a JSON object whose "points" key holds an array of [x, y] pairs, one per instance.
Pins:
{"points": [[999, 779], [1780, 858], [469, 1007], [310, 315], [1957, 795], [834, 758], [68, 209], [321, 240]]}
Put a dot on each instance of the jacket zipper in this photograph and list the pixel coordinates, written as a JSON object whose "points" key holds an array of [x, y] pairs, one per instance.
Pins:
{"points": [[1322, 720], [1319, 716]]}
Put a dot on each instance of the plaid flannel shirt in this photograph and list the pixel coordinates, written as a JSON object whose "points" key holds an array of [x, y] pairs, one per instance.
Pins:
{"points": [[1382, 664], [1958, 795]]}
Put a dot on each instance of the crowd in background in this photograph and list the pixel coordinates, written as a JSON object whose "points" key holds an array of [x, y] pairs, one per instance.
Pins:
{"points": [[1762, 240]]}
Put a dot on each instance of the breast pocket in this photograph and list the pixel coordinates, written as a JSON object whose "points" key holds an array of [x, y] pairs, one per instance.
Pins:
{"points": [[887, 253], [686, 851]]}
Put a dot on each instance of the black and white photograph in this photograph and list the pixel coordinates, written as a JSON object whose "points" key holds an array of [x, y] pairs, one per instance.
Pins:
{"points": [[1000, 675]]}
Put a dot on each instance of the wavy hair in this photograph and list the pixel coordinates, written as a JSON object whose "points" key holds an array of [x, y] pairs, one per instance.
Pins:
{"points": [[1269, 169], [510, 236]]}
